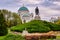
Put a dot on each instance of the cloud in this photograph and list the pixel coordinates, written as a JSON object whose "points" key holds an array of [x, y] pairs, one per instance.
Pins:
{"points": [[57, 3], [32, 1], [47, 8], [54, 0]]}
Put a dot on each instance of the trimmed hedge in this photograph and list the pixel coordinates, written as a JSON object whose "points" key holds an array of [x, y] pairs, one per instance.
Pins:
{"points": [[36, 26]]}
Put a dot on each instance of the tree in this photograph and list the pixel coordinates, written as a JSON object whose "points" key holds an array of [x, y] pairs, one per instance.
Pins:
{"points": [[3, 26], [8, 15], [58, 22], [16, 19]]}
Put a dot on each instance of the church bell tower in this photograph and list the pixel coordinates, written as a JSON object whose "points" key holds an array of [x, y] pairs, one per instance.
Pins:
{"points": [[37, 17]]}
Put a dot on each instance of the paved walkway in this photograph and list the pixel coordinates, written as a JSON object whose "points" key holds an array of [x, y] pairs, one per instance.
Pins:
{"points": [[57, 33]]}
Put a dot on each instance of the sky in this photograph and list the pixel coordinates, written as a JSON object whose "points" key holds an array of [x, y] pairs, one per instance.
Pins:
{"points": [[47, 8]]}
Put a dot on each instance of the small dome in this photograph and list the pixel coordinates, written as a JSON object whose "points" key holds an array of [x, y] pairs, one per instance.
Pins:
{"points": [[26, 15], [23, 9]]}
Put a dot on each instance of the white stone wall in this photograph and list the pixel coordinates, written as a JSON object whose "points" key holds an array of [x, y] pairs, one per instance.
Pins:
{"points": [[28, 18]]}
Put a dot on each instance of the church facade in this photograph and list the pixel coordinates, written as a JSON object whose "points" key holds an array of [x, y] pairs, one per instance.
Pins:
{"points": [[26, 16]]}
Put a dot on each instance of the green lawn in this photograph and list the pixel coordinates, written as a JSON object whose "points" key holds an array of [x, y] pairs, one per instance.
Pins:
{"points": [[58, 37], [2, 37], [12, 37]]}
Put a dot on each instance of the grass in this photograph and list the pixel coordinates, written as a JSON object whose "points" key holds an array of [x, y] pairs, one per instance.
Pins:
{"points": [[2, 37], [12, 37], [58, 37]]}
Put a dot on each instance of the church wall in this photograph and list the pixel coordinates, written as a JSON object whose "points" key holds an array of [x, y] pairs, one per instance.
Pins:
{"points": [[21, 13]]}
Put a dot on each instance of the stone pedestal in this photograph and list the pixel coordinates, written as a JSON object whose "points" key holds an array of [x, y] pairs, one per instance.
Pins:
{"points": [[37, 17], [25, 32]]}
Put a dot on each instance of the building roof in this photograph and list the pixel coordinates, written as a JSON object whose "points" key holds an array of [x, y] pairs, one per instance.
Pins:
{"points": [[23, 9]]}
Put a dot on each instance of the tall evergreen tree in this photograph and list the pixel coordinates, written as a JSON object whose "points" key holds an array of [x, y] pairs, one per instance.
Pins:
{"points": [[3, 26]]}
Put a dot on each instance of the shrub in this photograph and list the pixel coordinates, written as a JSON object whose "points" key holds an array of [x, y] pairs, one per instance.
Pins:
{"points": [[33, 26], [37, 26]]}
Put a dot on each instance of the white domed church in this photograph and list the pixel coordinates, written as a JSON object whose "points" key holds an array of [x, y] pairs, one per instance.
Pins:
{"points": [[26, 16]]}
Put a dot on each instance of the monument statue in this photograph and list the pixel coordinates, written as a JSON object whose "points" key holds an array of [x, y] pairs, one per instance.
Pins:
{"points": [[24, 32]]}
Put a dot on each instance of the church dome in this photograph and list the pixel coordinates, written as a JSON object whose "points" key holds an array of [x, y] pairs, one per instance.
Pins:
{"points": [[23, 9]]}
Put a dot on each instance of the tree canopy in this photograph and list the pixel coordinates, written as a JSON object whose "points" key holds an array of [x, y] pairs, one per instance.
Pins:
{"points": [[3, 26], [11, 18]]}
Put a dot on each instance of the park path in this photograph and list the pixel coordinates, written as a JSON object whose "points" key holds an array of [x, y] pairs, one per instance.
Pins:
{"points": [[19, 33]]}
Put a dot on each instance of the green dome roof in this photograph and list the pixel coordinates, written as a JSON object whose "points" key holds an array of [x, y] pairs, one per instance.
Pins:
{"points": [[23, 9]]}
